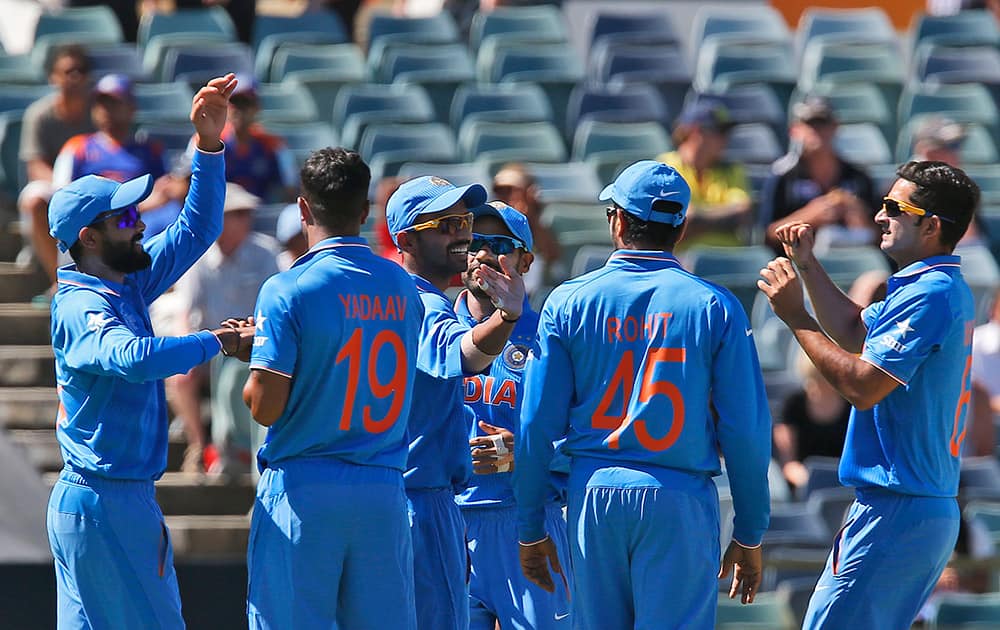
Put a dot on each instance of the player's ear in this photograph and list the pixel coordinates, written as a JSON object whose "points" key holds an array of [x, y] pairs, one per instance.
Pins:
{"points": [[305, 212], [405, 242], [524, 264], [365, 211], [88, 237]]}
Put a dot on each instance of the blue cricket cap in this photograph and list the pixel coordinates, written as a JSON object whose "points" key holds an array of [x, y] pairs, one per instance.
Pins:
{"points": [[426, 195], [117, 85], [642, 184], [289, 223], [515, 221], [76, 205]]}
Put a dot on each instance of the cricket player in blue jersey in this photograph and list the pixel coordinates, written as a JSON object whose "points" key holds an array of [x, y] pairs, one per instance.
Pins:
{"points": [[498, 591], [904, 364], [332, 378], [113, 558], [430, 222], [649, 371]]}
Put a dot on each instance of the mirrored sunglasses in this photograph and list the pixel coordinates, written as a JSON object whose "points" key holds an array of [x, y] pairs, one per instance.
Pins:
{"points": [[500, 245]]}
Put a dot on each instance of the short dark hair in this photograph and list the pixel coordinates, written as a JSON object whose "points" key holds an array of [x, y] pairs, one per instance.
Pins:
{"points": [[75, 51], [335, 183], [943, 190], [652, 234]]}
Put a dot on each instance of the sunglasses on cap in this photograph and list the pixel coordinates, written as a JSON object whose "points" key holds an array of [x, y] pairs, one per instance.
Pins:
{"points": [[128, 217], [500, 245], [449, 224], [893, 208]]}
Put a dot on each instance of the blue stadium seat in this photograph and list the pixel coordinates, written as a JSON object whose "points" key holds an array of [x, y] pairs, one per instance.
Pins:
{"points": [[541, 23], [437, 29], [499, 59], [343, 62], [856, 103], [12, 175], [594, 138], [415, 139], [957, 64], [641, 27], [575, 217], [736, 268], [797, 523], [753, 143], [15, 98], [751, 103], [862, 143], [753, 23], [213, 21], [832, 505], [273, 32], [722, 63], [162, 102], [20, 69], [665, 67], [838, 63], [636, 103], [967, 610], [459, 174], [844, 25], [120, 58], [968, 102], [845, 264], [304, 138], [286, 102], [359, 105], [195, 65], [174, 137], [965, 28], [568, 182], [405, 58], [823, 473], [154, 55], [588, 258], [979, 147], [769, 610], [498, 142], [501, 102], [92, 24]]}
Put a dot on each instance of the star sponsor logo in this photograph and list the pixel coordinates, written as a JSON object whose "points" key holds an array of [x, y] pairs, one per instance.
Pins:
{"points": [[96, 321], [259, 319], [904, 327]]}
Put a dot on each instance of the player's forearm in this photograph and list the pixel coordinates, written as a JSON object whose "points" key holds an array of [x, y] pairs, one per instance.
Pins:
{"points": [[847, 373], [838, 314], [484, 342]]}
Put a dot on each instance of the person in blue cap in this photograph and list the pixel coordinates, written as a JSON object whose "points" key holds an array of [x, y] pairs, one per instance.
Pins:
{"points": [[498, 591], [113, 557], [430, 222], [905, 365], [332, 377], [649, 372]]}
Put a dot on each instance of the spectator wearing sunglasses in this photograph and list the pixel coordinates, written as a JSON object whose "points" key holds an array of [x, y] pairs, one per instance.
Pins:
{"points": [[113, 557], [430, 222], [499, 592], [904, 364]]}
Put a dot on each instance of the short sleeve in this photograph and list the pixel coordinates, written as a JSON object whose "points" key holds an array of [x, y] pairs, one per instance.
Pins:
{"points": [[908, 328], [275, 344]]}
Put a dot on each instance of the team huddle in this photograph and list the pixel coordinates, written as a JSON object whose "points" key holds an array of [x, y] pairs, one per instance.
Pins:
{"points": [[447, 464]]}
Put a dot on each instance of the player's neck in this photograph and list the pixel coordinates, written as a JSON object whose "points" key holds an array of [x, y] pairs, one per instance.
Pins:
{"points": [[94, 266]]}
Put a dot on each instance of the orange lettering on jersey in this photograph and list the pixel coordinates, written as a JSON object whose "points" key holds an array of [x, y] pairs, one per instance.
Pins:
{"points": [[365, 307], [631, 329], [614, 329], [506, 395], [488, 388], [473, 389]]}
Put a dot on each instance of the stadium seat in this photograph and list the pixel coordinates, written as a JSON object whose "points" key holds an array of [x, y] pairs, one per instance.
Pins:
{"points": [[641, 27], [823, 473], [987, 514], [797, 592], [498, 142], [837, 63], [360, 105], [792, 562], [343, 62], [575, 217], [844, 26], [500, 103], [433, 140], [832, 505], [856, 103], [77, 25], [981, 473], [588, 258], [845, 264], [797, 523], [120, 58], [751, 103], [304, 138], [988, 178], [20, 69], [977, 148], [749, 23], [286, 102], [437, 29], [405, 58], [638, 103], [862, 144], [586, 240], [963, 610], [665, 67], [965, 28], [736, 268], [957, 64], [154, 55], [541, 23], [44, 48], [753, 143], [11, 168], [769, 610], [272, 32], [594, 139], [500, 59], [212, 21], [195, 65], [968, 102], [459, 174], [722, 63], [15, 98], [162, 102], [173, 137], [557, 87], [568, 182]]}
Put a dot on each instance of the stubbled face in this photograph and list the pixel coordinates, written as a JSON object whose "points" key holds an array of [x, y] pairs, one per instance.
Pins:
{"points": [[491, 226], [901, 238], [71, 75], [442, 251]]}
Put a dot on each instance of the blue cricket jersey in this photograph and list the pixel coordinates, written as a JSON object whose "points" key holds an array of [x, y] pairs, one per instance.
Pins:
{"points": [[438, 434], [633, 359], [495, 397], [342, 323], [112, 417], [921, 336]]}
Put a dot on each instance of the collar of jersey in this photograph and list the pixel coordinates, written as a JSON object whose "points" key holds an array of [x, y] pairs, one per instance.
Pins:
{"points": [[69, 276], [639, 255], [330, 244], [927, 264]]}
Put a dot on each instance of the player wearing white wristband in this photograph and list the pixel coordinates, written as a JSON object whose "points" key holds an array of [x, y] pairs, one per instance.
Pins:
{"points": [[498, 591]]}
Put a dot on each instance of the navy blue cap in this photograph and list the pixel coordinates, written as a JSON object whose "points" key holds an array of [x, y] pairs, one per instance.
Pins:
{"points": [[642, 184], [708, 113], [76, 205], [426, 195], [116, 85], [515, 221]]}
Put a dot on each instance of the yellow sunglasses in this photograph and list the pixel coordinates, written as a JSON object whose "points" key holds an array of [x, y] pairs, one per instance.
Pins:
{"points": [[448, 224], [894, 207]]}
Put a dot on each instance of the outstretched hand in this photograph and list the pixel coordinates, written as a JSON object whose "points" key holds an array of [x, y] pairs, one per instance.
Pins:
{"points": [[505, 288], [209, 109]]}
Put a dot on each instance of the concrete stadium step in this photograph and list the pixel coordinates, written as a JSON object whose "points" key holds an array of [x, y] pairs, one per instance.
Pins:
{"points": [[27, 366], [42, 449], [215, 537], [18, 284], [198, 494], [24, 324], [10, 240], [28, 407]]}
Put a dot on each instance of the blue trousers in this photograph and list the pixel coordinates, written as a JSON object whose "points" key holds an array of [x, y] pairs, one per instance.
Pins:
{"points": [[645, 548], [440, 560], [885, 561], [330, 548], [113, 559], [498, 591]]}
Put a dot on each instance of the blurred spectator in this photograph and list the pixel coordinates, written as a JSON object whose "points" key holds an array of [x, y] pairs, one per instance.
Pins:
{"points": [[288, 231], [869, 287], [165, 202], [223, 282], [255, 159], [813, 421], [384, 246], [973, 543], [986, 355], [938, 138], [515, 186], [814, 185], [719, 213], [47, 124]]}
